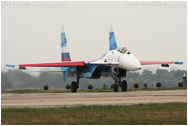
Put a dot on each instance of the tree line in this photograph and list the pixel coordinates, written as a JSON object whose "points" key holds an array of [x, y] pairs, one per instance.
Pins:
{"points": [[16, 79]]}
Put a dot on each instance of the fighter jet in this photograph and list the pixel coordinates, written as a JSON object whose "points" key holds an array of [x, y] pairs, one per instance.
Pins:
{"points": [[116, 62]]}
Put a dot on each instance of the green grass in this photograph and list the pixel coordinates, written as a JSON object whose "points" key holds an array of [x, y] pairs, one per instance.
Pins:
{"points": [[93, 90], [142, 114]]}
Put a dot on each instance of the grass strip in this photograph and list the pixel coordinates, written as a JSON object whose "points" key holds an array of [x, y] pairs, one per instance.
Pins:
{"points": [[141, 114]]}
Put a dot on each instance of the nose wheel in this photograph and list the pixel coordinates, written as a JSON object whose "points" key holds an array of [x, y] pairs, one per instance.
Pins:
{"points": [[122, 84]]}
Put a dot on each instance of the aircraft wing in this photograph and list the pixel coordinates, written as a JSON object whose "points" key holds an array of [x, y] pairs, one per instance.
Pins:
{"points": [[159, 62], [82, 63], [62, 64], [57, 64]]}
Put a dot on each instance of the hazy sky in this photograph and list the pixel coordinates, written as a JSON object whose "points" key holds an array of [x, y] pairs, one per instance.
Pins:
{"points": [[155, 31]]}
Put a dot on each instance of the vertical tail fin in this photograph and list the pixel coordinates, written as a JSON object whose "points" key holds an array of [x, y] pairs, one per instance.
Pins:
{"points": [[112, 39], [65, 56]]}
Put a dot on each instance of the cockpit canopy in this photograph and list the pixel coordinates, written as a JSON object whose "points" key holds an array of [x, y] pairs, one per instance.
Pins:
{"points": [[123, 49]]}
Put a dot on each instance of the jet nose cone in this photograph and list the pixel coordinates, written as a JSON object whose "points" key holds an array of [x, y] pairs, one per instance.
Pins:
{"points": [[136, 64], [130, 62]]}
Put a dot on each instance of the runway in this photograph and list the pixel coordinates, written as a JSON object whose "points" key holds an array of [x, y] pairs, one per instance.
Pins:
{"points": [[42, 100]]}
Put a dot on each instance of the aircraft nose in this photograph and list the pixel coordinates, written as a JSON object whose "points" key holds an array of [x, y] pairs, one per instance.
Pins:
{"points": [[130, 62], [136, 64]]}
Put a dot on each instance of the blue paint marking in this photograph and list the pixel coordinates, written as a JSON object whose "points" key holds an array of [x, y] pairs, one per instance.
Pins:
{"points": [[111, 34], [8, 65], [65, 55], [176, 62], [113, 46], [63, 40], [112, 41]]}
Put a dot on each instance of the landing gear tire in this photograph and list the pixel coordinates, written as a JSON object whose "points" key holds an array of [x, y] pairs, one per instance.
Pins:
{"points": [[68, 86], [74, 86], [124, 86], [115, 87]]}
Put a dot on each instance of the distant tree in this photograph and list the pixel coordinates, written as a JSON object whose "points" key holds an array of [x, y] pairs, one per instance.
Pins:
{"points": [[133, 74], [146, 73], [161, 72], [179, 73], [5, 84]]}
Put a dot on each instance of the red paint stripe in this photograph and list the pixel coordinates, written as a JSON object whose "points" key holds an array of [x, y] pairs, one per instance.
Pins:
{"points": [[68, 59], [154, 62], [60, 64]]}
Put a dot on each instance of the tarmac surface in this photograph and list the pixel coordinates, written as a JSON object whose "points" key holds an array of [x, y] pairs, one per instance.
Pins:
{"points": [[42, 100]]}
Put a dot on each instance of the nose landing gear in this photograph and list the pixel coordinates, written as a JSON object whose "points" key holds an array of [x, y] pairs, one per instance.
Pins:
{"points": [[122, 84]]}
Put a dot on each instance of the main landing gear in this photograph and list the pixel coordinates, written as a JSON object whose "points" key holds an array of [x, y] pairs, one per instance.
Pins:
{"points": [[74, 86], [122, 84]]}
